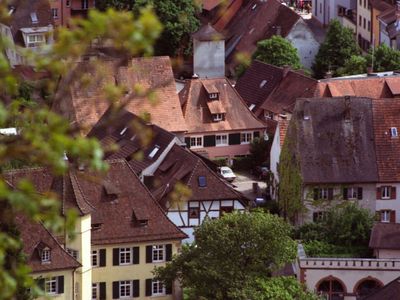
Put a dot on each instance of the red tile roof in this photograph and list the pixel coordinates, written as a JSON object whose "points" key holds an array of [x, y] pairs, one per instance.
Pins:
{"points": [[385, 236], [34, 234], [211, 4], [198, 116], [386, 115], [84, 104], [227, 14], [283, 126]]}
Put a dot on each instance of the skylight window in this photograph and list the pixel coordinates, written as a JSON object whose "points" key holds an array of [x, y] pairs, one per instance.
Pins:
{"points": [[34, 18], [154, 151], [123, 131], [264, 82], [202, 181], [393, 132]]}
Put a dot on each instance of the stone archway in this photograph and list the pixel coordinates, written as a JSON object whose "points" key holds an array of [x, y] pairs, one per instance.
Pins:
{"points": [[331, 287], [367, 286]]}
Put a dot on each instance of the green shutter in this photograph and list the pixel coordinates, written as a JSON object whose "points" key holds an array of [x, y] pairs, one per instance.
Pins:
{"points": [[115, 289], [102, 254], [102, 291], [116, 257], [168, 250], [187, 142], [148, 287], [60, 285], [234, 139], [209, 141], [149, 254], [135, 251], [136, 288]]}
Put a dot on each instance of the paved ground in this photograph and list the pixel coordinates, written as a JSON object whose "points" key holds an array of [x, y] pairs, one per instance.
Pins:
{"points": [[244, 184]]}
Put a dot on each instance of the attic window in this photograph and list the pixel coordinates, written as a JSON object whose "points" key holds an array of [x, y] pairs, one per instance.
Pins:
{"points": [[96, 226], [123, 131], [111, 190], [34, 18], [251, 107], [45, 255], [213, 96], [202, 181], [393, 132], [263, 83], [218, 117], [154, 151], [139, 222]]}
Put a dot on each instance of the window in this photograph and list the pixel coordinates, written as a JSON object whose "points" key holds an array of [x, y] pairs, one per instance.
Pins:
{"points": [[125, 289], [359, 20], [331, 288], [196, 141], [367, 287], [158, 253], [393, 132], [385, 192], [202, 181], [34, 18], [218, 117], [323, 193], [95, 291], [262, 84], [125, 256], [68, 3], [268, 115], [369, 25], [194, 212], [246, 137], [385, 216], [158, 288], [54, 13], [73, 253], [85, 4], [95, 258], [319, 216], [225, 210], [213, 96], [50, 285], [221, 140], [35, 40], [320, 8], [364, 22], [154, 151], [352, 193], [46, 255]]}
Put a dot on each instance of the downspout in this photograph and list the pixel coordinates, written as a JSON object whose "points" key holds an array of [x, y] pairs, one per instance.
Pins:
{"points": [[73, 284]]}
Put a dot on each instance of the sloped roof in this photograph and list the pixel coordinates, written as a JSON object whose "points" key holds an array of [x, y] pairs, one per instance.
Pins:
{"points": [[388, 292], [181, 165], [334, 140], [198, 117], [385, 236], [207, 33], [211, 4], [84, 104], [380, 5], [386, 114], [32, 234], [132, 136]]}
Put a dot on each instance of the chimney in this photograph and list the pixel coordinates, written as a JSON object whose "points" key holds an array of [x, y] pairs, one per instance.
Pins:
{"points": [[278, 30], [286, 69]]}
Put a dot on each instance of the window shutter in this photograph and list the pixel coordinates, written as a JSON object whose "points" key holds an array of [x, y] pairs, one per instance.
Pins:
{"points": [[378, 216], [148, 287], [393, 192], [116, 257], [102, 291], [209, 141], [136, 288], [256, 134], [345, 194], [234, 139], [393, 216], [360, 193], [330, 193], [378, 193], [115, 289], [187, 142], [102, 257], [168, 288], [149, 254], [60, 285], [168, 249], [135, 251], [315, 194]]}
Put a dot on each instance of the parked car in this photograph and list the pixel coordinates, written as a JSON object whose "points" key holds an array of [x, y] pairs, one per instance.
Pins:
{"points": [[227, 173], [261, 172]]}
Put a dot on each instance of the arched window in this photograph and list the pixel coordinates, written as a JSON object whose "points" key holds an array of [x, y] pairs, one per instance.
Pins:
{"points": [[366, 287], [331, 288]]}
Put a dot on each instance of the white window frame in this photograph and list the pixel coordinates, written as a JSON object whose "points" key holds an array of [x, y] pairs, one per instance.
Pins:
{"points": [[323, 193], [158, 253], [386, 192], [157, 288], [51, 285], [246, 137], [95, 291], [68, 3], [213, 96], [54, 13], [125, 289], [95, 258], [352, 193], [85, 4], [45, 256], [36, 38], [218, 117], [125, 256], [221, 143], [393, 132], [74, 253], [154, 151], [385, 216], [268, 115], [196, 142]]}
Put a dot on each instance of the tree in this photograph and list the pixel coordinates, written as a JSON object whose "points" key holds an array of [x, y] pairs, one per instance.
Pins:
{"points": [[230, 253], [44, 137], [179, 20], [339, 46], [259, 151], [356, 64], [384, 59], [277, 51]]}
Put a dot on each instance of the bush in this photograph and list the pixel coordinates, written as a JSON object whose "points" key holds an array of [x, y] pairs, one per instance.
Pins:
{"points": [[219, 161], [242, 163], [310, 232]]}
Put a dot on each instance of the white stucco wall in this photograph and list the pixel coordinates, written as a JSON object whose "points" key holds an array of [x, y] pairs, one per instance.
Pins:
{"points": [[209, 58], [387, 253], [384, 38], [303, 39], [390, 204], [274, 154], [364, 12]]}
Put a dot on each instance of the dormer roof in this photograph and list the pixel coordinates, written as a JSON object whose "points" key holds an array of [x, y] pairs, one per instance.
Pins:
{"points": [[207, 33]]}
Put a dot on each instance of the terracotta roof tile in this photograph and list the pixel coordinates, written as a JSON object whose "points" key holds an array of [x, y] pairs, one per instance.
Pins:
{"points": [[198, 117], [228, 13], [386, 115], [385, 236], [283, 126], [151, 74]]}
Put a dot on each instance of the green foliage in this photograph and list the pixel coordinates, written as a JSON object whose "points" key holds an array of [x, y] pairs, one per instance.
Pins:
{"points": [[259, 151], [311, 232], [179, 20], [356, 64], [278, 288], [324, 249], [231, 252], [385, 59], [242, 163], [277, 51], [339, 46]]}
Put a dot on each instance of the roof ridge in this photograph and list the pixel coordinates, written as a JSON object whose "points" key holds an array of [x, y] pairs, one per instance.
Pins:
{"points": [[76, 182], [194, 169]]}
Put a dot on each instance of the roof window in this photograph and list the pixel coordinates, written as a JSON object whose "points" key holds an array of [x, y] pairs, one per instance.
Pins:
{"points": [[123, 131], [154, 151], [202, 181], [393, 132], [263, 83], [218, 117], [34, 18], [213, 96]]}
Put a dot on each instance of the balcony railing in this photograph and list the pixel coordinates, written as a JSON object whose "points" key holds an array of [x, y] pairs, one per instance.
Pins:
{"points": [[349, 263]]}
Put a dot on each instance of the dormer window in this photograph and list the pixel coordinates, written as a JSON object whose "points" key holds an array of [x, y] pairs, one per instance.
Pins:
{"points": [[34, 18], [154, 151], [202, 181], [213, 96], [218, 117], [45, 255], [139, 222], [393, 132], [35, 40]]}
